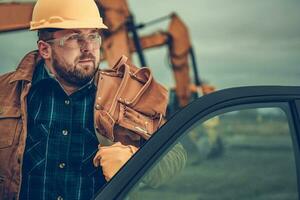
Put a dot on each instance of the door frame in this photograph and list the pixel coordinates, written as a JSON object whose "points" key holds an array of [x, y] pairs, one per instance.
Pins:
{"points": [[130, 173]]}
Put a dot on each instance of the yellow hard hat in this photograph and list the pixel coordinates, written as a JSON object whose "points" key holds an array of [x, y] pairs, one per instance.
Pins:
{"points": [[66, 14]]}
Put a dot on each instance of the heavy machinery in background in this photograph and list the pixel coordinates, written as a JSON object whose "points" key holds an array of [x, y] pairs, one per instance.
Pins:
{"points": [[122, 38]]}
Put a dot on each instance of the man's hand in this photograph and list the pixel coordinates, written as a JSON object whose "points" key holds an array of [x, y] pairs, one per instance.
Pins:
{"points": [[112, 158]]}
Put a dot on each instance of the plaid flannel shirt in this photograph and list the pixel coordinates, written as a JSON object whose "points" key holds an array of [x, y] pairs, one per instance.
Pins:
{"points": [[61, 142]]}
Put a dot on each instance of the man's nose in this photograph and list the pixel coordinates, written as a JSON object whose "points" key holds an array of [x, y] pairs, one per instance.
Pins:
{"points": [[86, 46]]}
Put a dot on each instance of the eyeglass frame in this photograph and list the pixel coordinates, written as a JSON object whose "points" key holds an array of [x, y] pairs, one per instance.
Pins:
{"points": [[62, 40]]}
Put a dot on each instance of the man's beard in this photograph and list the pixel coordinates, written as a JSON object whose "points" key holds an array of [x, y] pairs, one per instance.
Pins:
{"points": [[72, 74]]}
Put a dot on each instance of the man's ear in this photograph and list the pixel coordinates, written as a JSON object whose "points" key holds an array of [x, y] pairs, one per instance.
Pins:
{"points": [[44, 49]]}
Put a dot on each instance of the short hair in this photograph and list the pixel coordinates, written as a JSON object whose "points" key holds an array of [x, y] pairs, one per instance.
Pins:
{"points": [[47, 33]]}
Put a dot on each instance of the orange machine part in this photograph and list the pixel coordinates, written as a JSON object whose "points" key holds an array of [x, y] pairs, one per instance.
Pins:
{"points": [[15, 16], [116, 40], [179, 48]]}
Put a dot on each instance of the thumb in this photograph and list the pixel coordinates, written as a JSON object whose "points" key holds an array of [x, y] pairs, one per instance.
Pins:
{"points": [[96, 160]]}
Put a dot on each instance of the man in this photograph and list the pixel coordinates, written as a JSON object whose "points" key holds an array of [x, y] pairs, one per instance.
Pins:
{"points": [[48, 144]]}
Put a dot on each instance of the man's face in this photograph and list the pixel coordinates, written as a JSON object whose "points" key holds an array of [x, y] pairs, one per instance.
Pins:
{"points": [[76, 59]]}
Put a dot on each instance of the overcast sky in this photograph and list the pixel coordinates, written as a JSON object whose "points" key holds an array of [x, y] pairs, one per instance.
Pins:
{"points": [[238, 42]]}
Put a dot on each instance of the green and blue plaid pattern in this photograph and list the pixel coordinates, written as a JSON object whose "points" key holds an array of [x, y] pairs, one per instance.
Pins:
{"points": [[61, 142]]}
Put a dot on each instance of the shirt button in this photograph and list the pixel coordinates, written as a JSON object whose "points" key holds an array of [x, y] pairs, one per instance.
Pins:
{"points": [[65, 132], [67, 102], [98, 106], [60, 198], [62, 165]]}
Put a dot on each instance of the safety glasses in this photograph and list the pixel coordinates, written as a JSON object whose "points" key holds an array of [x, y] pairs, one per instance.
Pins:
{"points": [[78, 41]]}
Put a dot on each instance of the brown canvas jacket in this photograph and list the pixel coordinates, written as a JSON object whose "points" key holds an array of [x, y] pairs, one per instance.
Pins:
{"points": [[14, 88]]}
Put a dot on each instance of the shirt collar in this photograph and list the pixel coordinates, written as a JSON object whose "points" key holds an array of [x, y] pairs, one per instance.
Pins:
{"points": [[42, 73]]}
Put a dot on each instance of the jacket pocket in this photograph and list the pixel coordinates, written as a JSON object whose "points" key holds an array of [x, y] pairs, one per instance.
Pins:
{"points": [[9, 118]]}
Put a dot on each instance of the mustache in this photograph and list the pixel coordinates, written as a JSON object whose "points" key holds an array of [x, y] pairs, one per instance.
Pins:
{"points": [[85, 56]]}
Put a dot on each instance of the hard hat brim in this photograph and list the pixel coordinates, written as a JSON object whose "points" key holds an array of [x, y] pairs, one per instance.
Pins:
{"points": [[68, 25]]}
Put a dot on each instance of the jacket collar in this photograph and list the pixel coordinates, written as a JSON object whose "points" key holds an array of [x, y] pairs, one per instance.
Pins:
{"points": [[25, 69]]}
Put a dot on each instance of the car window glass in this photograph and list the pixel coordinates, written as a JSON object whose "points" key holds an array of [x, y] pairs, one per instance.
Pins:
{"points": [[244, 154]]}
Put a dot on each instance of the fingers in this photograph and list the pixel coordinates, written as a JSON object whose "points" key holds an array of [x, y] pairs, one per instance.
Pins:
{"points": [[112, 158], [96, 160]]}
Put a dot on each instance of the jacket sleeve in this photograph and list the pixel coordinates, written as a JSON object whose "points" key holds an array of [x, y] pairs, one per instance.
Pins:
{"points": [[170, 165]]}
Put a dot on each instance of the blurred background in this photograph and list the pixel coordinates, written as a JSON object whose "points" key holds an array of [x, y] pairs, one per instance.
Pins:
{"points": [[237, 43]]}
